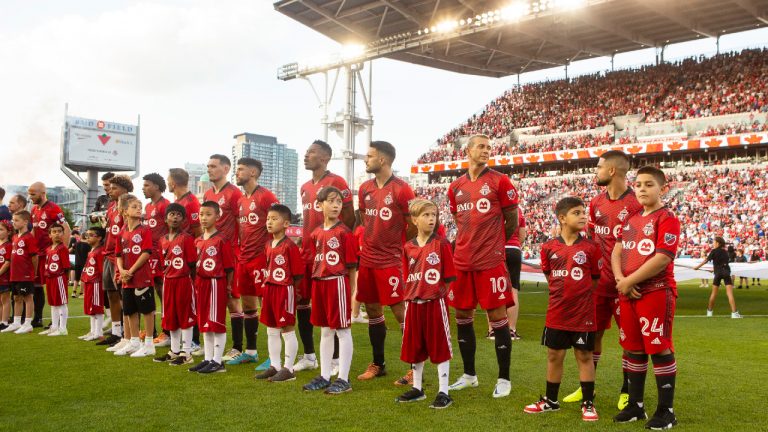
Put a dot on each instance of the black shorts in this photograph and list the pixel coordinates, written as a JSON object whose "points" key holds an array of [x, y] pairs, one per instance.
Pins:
{"points": [[564, 339], [138, 300], [23, 288], [5, 288], [108, 276], [514, 262], [78, 271], [722, 278]]}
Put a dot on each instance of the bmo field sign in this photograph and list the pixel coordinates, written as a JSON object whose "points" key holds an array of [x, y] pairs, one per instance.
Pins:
{"points": [[90, 144]]}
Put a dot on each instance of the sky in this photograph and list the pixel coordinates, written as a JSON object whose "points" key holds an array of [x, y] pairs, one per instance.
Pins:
{"points": [[199, 72]]}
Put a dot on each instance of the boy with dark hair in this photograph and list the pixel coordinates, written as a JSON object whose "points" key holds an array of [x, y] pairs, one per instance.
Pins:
{"points": [[93, 299], [154, 218], [23, 273], [56, 284]]}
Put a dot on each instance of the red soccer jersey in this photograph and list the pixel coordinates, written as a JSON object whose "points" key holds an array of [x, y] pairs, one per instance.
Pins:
{"points": [[56, 261], [477, 207], [154, 218], [570, 272], [642, 237], [334, 250], [430, 268], [192, 207], [283, 262], [130, 246], [253, 222], [514, 240], [228, 198], [313, 213], [178, 254], [5, 257], [93, 265], [42, 218], [214, 256], [114, 224], [606, 218], [384, 211], [24, 248]]}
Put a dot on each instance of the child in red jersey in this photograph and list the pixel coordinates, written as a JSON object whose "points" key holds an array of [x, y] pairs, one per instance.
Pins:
{"points": [[6, 231], [23, 273], [56, 284], [427, 331], [278, 307], [572, 265], [93, 294]]}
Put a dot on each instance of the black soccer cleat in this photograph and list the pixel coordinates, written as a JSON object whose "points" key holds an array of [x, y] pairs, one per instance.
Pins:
{"points": [[412, 395], [663, 419], [442, 401], [632, 412], [213, 367], [203, 364], [110, 340]]}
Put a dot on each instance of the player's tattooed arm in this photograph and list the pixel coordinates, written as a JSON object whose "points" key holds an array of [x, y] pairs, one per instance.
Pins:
{"points": [[510, 222]]}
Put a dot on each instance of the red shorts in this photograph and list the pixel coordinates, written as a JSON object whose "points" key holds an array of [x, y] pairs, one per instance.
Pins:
{"points": [[211, 302], [178, 303], [305, 284], [646, 323], [490, 287], [278, 306], [56, 289], [331, 303], [154, 264], [383, 286], [427, 333], [93, 298], [249, 277], [605, 309]]}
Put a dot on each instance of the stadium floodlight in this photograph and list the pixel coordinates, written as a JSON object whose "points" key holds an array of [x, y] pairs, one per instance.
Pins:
{"points": [[568, 4], [352, 51], [515, 11]]}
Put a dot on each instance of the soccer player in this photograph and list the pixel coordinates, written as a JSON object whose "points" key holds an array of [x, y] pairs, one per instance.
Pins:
{"points": [[484, 205], [133, 249], [571, 265], [427, 331], [154, 218], [56, 285], [251, 261], [213, 285], [335, 258], [44, 214], [6, 232], [179, 315], [278, 312], [5, 212], [93, 299], [316, 160], [514, 260], [23, 272], [719, 257], [383, 202], [178, 180], [608, 211], [643, 265]]}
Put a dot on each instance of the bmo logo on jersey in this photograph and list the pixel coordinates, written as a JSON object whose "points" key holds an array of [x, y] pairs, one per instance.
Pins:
{"points": [[209, 264], [646, 247], [278, 274], [177, 263], [483, 205], [432, 276], [89, 271], [53, 267], [252, 219], [560, 273], [577, 273], [385, 213], [332, 258]]}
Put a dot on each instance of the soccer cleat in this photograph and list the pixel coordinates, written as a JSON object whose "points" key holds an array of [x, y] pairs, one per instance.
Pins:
{"points": [[630, 413], [39, 323], [24, 329], [360, 319], [338, 387], [709, 313], [269, 373], [197, 350], [128, 349], [543, 405], [317, 383], [58, 332], [11, 328], [243, 358], [283, 375], [442, 401], [305, 364], [93, 337], [335, 367], [181, 359], [736, 315], [118, 346], [412, 395], [110, 340], [372, 371], [46, 332], [465, 381], [199, 366], [3, 326], [623, 401], [490, 335], [406, 379], [264, 366], [502, 389], [662, 419], [85, 336], [574, 397], [144, 351], [588, 411], [230, 355], [169, 356], [162, 340], [213, 367], [514, 334]]}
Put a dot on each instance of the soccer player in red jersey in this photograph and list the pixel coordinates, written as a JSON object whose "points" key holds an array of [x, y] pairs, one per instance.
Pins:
{"points": [[154, 218], [6, 232], [427, 332], [572, 266], [316, 160], [23, 272], [335, 257], [55, 276], [484, 205], [643, 265], [93, 298], [383, 203], [213, 286], [278, 312], [44, 214], [179, 315], [514, 260], [251, 261], [178, 180]]}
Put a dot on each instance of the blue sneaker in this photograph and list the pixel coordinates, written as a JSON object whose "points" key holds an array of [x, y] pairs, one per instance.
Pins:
{"points": [[243, 358], [338, 387], [264, 366], [318, 383]]}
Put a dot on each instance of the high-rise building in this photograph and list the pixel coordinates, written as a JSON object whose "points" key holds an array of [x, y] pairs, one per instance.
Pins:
{"points": [[280, 164], [196, 172]]}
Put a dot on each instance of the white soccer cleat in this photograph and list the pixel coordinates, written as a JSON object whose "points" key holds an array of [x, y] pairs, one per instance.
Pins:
{"points": [[59, 332], [736, 315], [11, 328], [709, 313], [47, 331], [85, 337], [360, 319], [130, 348], [144, 351], [118, 346], [24, 329], [465, 381], [305, 364], [502, 389]]}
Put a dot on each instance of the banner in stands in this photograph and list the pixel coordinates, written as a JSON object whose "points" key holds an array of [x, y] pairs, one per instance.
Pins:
{"points": [[740, 140], [91, 143]]}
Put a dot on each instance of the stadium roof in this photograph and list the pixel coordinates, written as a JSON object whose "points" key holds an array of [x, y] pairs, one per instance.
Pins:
{"points": [[542, 36]]}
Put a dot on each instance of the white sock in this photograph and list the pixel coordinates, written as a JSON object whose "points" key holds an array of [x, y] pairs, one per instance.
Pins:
{"points": [[208, 345], [135, 341], [418, 375], [97, 330], [220, 340], [310, 357], [345, 352], [443, 371], [117, 328], [175, 341], [55, 317], [63, 316], [326, 351], [17, 320], [274, 345], [92, 321], [252, 352], [291, 349], [186, 340]]}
